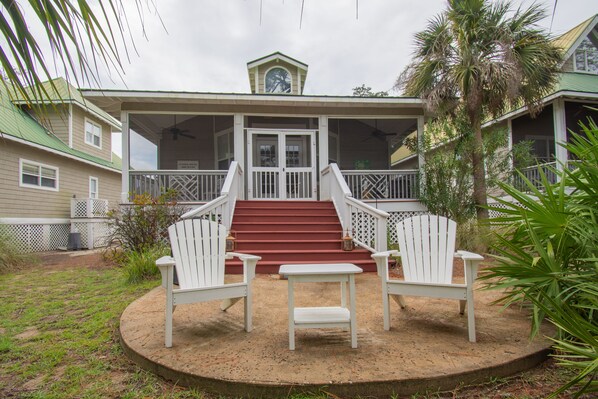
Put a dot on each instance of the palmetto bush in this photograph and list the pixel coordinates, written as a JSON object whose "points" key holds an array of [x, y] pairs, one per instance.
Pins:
{"points": [[547, 256]]}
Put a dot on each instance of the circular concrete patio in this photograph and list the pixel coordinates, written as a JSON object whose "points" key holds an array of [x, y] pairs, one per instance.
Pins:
{"points": [[425, 350]]}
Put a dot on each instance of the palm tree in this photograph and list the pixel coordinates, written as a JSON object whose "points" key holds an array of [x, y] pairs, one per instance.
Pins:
{"points": [[80, 33], [480, 58]]}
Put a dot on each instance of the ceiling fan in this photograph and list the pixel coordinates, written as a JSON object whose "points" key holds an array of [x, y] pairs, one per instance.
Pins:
{"points": [[379, 134], [176, 132]]}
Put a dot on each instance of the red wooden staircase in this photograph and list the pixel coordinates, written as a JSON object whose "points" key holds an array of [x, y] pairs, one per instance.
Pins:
{"points": [[291, 232]]}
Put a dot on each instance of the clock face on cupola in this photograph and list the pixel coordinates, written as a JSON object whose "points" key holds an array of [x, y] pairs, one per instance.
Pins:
{"points": [[277, 74]]}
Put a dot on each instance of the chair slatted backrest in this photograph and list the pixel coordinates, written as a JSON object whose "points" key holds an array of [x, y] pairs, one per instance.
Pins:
{"points": [[199, 248], [427, 245]]}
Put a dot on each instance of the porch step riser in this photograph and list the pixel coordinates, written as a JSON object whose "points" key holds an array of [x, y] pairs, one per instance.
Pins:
{"points": [[314, 257], [286, 218], [284, 211], [290, 236], [287, 245], [272, 267], [283, 226], [268, 204]]}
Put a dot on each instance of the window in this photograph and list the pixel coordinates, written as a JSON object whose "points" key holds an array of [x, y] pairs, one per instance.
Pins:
{"points": [[37, 175], [93, 187], [93, 134], [278, 80], [586, 57]]}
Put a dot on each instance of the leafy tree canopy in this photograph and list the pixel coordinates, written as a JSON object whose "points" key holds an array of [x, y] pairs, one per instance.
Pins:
{"points": [[366, 91]]}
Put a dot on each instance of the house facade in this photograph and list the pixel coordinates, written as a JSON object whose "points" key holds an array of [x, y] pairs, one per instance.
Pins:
{"points": [[58, 173], [282, 138]]}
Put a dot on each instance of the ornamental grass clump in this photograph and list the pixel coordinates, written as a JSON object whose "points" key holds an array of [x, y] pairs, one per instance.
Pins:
{"points": [[547, 256], [11, 259]]}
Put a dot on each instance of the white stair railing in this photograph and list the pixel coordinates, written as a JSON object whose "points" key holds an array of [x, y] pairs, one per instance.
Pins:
{"points": [[222, 208], [366, 224]]}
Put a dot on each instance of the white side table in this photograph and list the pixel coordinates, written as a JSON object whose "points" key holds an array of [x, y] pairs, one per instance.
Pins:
{"points": [[322, 317]]}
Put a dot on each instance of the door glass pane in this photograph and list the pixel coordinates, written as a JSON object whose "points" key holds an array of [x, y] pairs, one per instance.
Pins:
{"points": [[266, 151], [298, 152]]}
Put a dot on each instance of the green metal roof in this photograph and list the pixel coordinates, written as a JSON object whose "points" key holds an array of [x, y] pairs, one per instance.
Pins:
{"points": [[15, 122], [577, 82], [60, 91]]}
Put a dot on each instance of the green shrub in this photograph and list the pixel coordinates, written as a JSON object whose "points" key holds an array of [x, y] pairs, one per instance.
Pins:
{"points": [[141, 265], [10, 257], [547, 256], [144, 224]]}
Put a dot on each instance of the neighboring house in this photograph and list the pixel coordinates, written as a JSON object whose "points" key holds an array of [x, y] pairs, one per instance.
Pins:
{"points": [[568, 103], [58, 171]]}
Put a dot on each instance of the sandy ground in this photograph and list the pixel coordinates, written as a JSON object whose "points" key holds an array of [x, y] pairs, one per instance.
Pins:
{"points": [[426, 349]]}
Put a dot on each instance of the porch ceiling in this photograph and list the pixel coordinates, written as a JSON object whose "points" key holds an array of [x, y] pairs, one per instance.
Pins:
{"points": [[113, 102]]}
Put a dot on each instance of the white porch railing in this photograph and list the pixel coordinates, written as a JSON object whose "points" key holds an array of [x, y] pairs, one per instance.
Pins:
{"points": [[191, 186], [89, 208], [222, 208], [532, 173], [382, 184], [367, 224]]}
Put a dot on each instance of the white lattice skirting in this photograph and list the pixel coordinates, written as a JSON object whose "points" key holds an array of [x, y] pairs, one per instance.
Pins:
{"points": [[39, 235]]}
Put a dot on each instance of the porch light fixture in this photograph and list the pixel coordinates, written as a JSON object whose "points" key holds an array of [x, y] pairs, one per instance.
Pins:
{"points": [[348, 244], [230, 242]]}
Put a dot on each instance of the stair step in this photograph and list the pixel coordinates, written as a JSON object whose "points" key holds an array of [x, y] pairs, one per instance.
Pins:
{"points": [[272, 267], [285, 210], [288, 235], [283, 218], [314, 256], [288, 203], [285, 226], [288, 244]]}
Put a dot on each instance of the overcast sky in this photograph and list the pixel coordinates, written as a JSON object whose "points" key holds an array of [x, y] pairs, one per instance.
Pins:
{"points": [[207, 43]]}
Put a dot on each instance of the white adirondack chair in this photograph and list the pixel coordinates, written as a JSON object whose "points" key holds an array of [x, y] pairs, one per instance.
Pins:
{"points": [[427, 250], [198, 246]]}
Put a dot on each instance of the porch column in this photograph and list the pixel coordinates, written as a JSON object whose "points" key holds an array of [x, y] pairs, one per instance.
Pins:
{"points": [[421, 158], [239, 146], [323, 143], [124, 120], [560, 132], [510, 142]]}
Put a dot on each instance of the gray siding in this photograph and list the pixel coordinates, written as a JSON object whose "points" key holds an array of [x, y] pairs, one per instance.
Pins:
{"points": [[16, 201]]}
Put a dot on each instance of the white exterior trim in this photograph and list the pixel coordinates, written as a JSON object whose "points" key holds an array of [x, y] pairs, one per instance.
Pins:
{"points": [[62, 154], [93, 123], [579, 39], [560, 132], [41, 165], [35, 221], [124, 120], [563, 94], [71, 125], [93, 178], [276, 56], [213, 98]]}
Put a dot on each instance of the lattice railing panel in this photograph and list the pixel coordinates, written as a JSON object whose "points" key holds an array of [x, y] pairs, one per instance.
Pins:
{"points": [[397, 217], [382, 184], [89, 208]]}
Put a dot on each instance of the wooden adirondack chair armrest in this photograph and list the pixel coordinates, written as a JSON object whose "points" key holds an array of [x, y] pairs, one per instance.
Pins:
{"points": [[471, 261], [249, 264], [381, 259], [166, 266]]}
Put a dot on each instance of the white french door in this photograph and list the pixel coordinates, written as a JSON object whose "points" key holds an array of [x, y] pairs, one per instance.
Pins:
{"points": [[281, 164]]}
